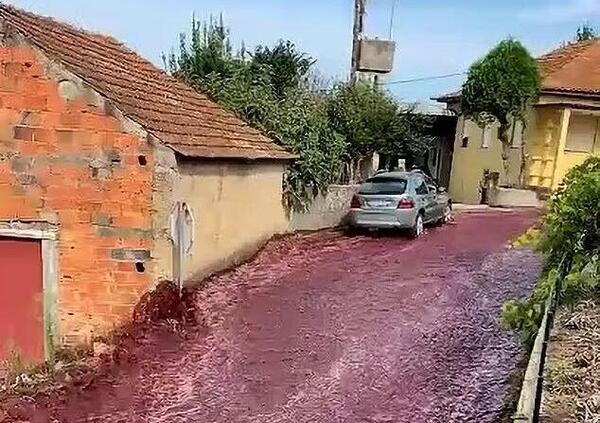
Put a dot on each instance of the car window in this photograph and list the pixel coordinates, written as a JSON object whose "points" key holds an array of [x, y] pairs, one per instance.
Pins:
{"points": [[382, 186], [421, 186]]}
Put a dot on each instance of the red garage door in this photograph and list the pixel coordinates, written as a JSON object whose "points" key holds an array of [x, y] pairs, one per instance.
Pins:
{"points": [[21, 299]]}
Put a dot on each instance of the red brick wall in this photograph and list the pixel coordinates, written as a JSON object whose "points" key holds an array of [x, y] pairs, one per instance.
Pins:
{"points": [[73, 164]]}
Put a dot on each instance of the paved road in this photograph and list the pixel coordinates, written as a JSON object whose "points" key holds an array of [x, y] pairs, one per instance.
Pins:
{"points": [[325, 328]]}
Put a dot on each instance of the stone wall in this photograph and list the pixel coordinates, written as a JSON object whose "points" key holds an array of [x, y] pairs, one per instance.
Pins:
{"points": [[513, 197], [326, 211], [69, 158]]}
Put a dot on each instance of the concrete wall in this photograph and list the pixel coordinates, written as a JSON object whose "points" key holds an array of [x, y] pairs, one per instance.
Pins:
{"points": [[68, 158], [570, 160], [376, 56], [512, 197], [236, 207], [469, 163], [326, 211]]}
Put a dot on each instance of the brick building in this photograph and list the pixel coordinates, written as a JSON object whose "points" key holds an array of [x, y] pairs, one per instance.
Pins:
{"points": [[103, 160]]}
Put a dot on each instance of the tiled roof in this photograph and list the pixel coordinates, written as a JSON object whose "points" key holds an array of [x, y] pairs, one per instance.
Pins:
{"points": [[186, 120], [572, 68], [448, 97]]}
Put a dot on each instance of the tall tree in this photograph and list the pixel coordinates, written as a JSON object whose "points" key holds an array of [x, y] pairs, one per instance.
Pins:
{"points": [[501, 88], [373, 122], [208, 51], [286, 66], [269, 89], [276, 90], [585, 32]]}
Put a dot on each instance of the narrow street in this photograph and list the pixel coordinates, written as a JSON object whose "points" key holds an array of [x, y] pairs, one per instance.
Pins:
{"points": [[327, 328]]}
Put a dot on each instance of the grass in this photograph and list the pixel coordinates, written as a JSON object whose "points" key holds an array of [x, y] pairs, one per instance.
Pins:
{"points": [[14, 371], [530, 239]]}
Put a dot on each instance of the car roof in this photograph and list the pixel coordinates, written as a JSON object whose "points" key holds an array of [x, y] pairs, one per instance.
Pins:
{"points": [[396, 174]]}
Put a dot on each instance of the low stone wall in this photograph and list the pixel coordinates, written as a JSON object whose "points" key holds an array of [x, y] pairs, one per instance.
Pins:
{"points": [[512, 197], [326, 211]]}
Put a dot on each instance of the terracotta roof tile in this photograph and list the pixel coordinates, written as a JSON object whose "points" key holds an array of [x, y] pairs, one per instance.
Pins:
{"points": [[573, 68], [181, 117], [454, 95]]}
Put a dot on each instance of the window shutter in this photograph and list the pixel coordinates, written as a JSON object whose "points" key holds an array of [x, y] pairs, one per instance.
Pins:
{"points": [[582, 133]]}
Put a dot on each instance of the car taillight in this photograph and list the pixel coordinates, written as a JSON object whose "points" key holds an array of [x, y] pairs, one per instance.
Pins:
{"points": [[355, 203], [406, 203]]}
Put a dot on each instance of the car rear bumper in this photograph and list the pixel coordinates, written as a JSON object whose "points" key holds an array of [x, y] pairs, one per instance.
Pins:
{"points": [[362, 218]]}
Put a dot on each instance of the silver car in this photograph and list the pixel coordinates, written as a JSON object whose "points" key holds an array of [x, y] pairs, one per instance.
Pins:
{"points": [[404, 200]]}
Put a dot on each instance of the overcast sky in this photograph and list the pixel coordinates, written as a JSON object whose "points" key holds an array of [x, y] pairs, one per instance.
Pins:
{"points": [[434, 37]]}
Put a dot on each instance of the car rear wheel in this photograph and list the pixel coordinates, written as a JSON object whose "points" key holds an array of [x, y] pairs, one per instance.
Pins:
{"points": [[446, 216], [418, 227]]}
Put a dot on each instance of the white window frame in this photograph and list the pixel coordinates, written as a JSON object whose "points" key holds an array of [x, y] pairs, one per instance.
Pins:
{"points": [[487, 136], [570, 149]]}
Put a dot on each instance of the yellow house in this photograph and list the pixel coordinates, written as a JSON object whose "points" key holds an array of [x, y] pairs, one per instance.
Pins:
{"points": [[561, 131]]}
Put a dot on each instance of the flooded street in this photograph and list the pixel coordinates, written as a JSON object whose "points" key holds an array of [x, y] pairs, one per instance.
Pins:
{"points": [[326, 328]]}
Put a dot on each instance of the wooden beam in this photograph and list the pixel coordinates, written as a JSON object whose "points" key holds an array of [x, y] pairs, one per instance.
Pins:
{"points": [[565, 118]]}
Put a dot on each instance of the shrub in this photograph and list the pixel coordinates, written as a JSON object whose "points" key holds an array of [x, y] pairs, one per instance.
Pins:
{"points": [[570, 244], [572, 226], [275, 90]]}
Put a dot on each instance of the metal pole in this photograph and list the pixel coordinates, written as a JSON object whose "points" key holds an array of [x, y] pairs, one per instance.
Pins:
{"points": [[176, 252], [539, 391], [178, 235], [357, 32], [392, 16]]}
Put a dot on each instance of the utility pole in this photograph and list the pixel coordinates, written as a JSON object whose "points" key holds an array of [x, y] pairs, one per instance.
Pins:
{"points": [[360, 11]]}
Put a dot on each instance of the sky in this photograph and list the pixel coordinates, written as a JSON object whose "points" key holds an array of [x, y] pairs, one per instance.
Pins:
{"points": [[434, 37]]}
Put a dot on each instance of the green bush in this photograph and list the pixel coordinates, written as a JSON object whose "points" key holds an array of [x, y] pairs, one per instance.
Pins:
{"points": [[276, 90], [572, 226], [570, 244]]}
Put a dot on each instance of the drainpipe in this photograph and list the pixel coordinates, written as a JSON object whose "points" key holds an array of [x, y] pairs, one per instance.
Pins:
{"points": [[176, 250], [182, 236]]}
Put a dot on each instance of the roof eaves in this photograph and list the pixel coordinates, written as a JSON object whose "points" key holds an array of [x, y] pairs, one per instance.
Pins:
{"points": [[202, 152], [17, 20], [448, 97]]}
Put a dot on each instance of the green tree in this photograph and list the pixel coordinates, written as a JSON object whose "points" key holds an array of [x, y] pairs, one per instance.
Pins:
{"points": [[277, 90], [501, 88], [286, 67], [585, 32], [269, 90], [373, 122], [208, 51]]}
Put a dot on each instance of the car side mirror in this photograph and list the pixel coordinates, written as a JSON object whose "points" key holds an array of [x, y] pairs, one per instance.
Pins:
{"points": [[441, 190]]}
